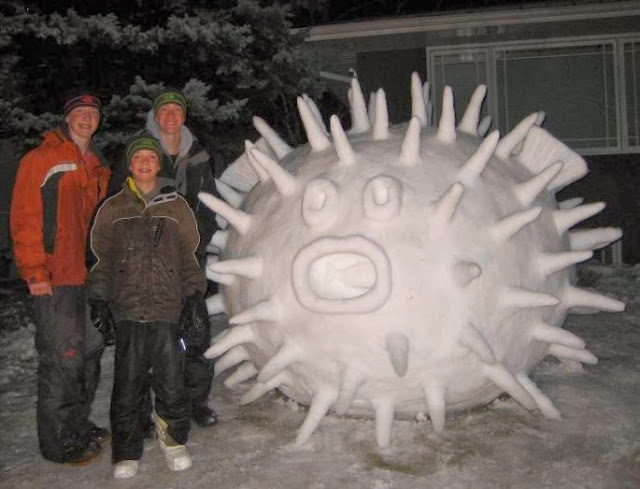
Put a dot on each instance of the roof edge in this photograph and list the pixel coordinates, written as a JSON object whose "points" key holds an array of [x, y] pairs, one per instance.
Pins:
{"points": [[479, 18]]}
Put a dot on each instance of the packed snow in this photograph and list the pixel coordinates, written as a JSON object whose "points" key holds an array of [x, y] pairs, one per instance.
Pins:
{"points": [[596, 444]]}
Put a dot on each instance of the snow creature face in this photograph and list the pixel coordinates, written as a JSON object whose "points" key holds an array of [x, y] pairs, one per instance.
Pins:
{"points": [[398, 270]]}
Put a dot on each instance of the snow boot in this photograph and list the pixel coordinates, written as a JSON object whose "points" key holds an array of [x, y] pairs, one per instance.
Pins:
{"points": [[175, 454], [204, 416], [125, 469]]}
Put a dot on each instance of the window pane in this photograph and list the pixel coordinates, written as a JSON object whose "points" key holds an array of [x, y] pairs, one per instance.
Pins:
{"points": [[574, 85], [632, 84], [463, 72]]}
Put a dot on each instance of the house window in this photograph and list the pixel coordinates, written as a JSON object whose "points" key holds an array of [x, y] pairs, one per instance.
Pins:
{"points": [[632, 92], [588, 88], [573, 84]]}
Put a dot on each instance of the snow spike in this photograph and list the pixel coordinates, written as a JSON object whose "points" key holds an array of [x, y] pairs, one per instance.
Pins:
{"points": [[233, 357], [244, 372], [484, 125], [381, 123], [229, 194], [249, 267], [315, 111], [236, 336], [351, 381], [504, 379], [219, 239], [550, 263], [320, 404], [476, 164], [263, 176], [256, 392], [522, 299], [262, 311], [359, 117], [565, 219], [580, 355], [511, 225], [286, 183], [318, 140], [465, 272], [576, 297], [241, 221], [346, 155], [214, 276], [410, 151], [509, 143], [447, 126], [384, 420], [544, 404], [446, 207], [551, 334], [593, 239], [215, 305], [418, 106], [398, 348], [570, 203], [469, 122], [260, 389], [472, 339], [279, 146], [285, 356], [528, 191], [435, 396]]}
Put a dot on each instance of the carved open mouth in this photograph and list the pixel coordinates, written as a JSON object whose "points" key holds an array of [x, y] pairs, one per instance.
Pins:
{"points": [[342, 275]]}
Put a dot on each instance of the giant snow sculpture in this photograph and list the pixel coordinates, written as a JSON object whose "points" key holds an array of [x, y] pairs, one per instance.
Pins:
{"points": [[398, 270]]}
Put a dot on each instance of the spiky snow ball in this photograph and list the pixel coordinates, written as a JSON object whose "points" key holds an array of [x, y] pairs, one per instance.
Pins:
{"points": [[398, 270]]}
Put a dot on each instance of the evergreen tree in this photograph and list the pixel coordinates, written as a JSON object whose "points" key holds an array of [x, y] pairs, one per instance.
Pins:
{"points": [[231, 62]]}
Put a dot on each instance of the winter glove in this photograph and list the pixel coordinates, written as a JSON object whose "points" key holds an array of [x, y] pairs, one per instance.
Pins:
{"points": [[194, 325], [102, 320]]}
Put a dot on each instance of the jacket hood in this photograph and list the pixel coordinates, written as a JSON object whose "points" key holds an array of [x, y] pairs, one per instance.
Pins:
{"points": [[186, 136], [60, 135]]}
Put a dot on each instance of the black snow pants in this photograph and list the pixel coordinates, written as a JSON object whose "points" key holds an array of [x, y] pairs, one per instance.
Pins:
{"points": [[199, 370], [69, 351], [198, 375], [139, 348]]}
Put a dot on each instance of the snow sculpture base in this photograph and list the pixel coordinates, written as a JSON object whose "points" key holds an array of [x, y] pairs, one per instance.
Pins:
{"points": [[399, 270]]}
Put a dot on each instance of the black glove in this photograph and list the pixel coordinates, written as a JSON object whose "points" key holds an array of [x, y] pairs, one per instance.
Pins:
{"points": [[102, 320], [194, 325]]}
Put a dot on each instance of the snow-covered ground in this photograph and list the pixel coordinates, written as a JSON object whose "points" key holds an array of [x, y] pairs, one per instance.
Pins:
{"points": [[595, 445]]}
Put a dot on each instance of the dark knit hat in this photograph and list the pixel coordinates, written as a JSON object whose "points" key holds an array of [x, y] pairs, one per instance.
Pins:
{"points": [[170, 97], [79, 100], [143, 142]]}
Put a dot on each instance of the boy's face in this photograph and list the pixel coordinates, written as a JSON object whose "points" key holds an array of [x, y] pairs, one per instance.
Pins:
{"points": [[144, 166], [170, 118], [83, 121]]}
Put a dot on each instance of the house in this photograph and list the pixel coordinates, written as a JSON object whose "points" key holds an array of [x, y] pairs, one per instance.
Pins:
{"points": [[579, 62]]}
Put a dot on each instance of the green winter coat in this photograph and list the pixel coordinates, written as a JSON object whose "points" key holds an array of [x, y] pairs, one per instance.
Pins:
{"points": [[145, 251]]}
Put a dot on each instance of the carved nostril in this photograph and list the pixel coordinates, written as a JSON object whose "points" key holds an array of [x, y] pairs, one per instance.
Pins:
{"points": [[320, 204], [382, 198]]}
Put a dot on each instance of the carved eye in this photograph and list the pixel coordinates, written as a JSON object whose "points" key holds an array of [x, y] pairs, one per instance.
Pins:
{"points": [[320, 204], [382, 198]]}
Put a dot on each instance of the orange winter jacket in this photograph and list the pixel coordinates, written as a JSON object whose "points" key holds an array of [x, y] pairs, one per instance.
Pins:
{"points": [[54, 197]]}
